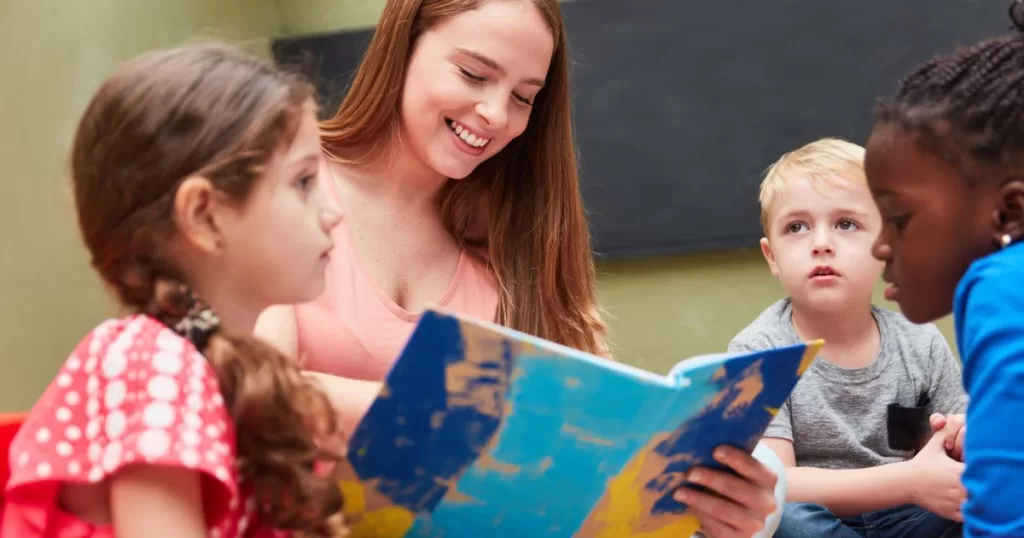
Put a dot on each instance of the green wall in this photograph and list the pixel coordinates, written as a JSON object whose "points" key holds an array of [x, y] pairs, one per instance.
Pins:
{"points": [[56, 53]]}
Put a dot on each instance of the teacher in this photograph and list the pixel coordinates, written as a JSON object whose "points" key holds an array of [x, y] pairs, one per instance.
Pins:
{"points": [[453, 161]]}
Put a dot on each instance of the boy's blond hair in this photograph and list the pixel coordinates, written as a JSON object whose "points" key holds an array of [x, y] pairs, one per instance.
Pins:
{"points": [[828, 159]]}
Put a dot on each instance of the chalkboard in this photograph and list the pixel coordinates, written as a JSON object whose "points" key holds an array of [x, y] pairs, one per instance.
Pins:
{"points": [[679, 106]]}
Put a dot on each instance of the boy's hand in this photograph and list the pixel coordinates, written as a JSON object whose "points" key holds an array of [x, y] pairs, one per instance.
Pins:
{"points": [[740, 504], [955, 428], [936, 480]]}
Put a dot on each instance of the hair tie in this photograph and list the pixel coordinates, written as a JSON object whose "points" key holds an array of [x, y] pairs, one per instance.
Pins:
{"points": [[198, 324], [1017, 15]]}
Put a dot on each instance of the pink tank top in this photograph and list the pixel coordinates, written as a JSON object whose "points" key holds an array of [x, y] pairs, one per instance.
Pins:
{"points": [[355, 330]]}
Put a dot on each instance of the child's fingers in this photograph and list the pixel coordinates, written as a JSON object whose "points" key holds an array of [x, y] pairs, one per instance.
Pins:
{"points": [[938, 421], [958, 445]]}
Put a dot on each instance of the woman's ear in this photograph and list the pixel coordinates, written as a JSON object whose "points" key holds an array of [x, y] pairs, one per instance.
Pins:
{"points": [[1009, 219], [194, 205]]}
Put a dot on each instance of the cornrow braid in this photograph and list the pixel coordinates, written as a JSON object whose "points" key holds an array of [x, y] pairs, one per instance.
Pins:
{"points": [[970, 104]]}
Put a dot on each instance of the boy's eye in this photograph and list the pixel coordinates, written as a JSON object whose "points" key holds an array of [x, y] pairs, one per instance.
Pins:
{"points": [[796, 227], [847, 225]]}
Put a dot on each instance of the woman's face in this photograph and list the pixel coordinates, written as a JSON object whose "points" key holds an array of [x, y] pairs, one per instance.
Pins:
{"points": [[471, 83]]}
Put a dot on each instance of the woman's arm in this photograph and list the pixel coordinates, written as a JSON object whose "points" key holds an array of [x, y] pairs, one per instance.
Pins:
{"points": [[150, 501], [350, 397]]}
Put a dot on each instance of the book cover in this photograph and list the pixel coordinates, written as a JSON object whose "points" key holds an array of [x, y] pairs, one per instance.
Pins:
{"points": [[482, 431]]}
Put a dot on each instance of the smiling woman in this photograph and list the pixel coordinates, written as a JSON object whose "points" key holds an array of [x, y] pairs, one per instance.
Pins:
{"points": [[453, 160]]}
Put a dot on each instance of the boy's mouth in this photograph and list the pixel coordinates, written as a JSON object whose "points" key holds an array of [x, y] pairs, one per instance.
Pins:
{"points": [[823, 271]]}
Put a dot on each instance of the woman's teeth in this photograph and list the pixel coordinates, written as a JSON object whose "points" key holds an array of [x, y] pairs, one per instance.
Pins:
{"points": [[467, 136]]}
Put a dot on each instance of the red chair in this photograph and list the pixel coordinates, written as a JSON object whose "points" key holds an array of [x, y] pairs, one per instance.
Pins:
{"points": [[9, 425]]}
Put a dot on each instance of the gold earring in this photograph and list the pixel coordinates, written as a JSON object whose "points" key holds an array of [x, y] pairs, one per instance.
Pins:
{"points": [[1005, 240]]}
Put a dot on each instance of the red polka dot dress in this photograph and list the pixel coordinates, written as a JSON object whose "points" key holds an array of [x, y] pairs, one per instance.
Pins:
{"points": [[132, 392]]}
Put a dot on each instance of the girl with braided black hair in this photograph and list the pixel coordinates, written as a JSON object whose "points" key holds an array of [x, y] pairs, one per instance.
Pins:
{"points": [[945, 163]]}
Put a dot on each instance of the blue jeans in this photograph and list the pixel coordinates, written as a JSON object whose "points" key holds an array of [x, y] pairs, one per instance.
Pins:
{"points": [[806, 520]]}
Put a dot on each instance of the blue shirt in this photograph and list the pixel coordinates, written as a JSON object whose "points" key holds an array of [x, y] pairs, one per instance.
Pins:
{"points": [[989, 316]]}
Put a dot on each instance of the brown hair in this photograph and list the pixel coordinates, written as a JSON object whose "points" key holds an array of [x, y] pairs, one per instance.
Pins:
{"points": [[538, 241], [204, 110]]}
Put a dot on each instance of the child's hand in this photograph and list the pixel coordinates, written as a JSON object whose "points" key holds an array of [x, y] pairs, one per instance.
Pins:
{"points": [[955, 427], [742, 502], [936, 480]]}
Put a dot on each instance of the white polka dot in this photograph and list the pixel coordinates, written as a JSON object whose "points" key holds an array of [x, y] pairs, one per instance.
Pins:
{"points": [[43, 469], [114, 363], [92, 408], [217, 400], [95, 451], [212, 456], [162, 387], [64, 448], [222, 448], [23, 459], [215, 533], [169, 341], [222, 473], [167, 363], [115, 424], [113, 397], [72, 398], [73, 433], [96, 474], [64, 380], [112, 456], [90, 365], [212, 431], [197, 385], [43, 435], [190, 438], [63, 414], [74, 363], [194, 402], [193, 421], [154, 444], [74, 467], [158, 415], [190, 458], [93, 429], [132, 376], [92, 386]]}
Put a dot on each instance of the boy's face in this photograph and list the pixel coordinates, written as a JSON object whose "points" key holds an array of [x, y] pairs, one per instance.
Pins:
{"points": [[819, 243]]}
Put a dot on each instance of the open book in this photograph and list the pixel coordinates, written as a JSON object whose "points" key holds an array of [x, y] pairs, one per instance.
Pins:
{"points": [[485, 432]]}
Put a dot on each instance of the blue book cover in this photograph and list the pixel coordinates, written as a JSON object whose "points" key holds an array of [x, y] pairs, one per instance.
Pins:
{"points": [[482, 431]]}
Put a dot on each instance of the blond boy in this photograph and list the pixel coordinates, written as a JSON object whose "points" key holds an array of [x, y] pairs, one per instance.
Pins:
{"points": [[843, 432]]}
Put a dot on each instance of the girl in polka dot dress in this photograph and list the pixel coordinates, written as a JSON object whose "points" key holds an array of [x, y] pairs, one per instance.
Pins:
{"points": [[195, 175]]}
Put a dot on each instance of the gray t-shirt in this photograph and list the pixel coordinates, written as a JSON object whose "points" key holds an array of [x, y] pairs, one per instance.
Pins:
{"points": [[837, 417]]}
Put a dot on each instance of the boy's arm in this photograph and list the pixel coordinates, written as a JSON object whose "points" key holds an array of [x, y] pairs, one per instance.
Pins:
{"points": [[844, 492]]}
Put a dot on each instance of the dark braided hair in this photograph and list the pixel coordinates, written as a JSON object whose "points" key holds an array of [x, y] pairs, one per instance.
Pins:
{"points": [[968, 107]]}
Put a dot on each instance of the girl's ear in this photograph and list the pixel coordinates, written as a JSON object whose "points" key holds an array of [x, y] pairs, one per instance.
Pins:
{"points": [[194, 207]]}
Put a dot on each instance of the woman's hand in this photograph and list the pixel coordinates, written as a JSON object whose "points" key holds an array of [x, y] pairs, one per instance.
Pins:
{"points": [[740, 504]]}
